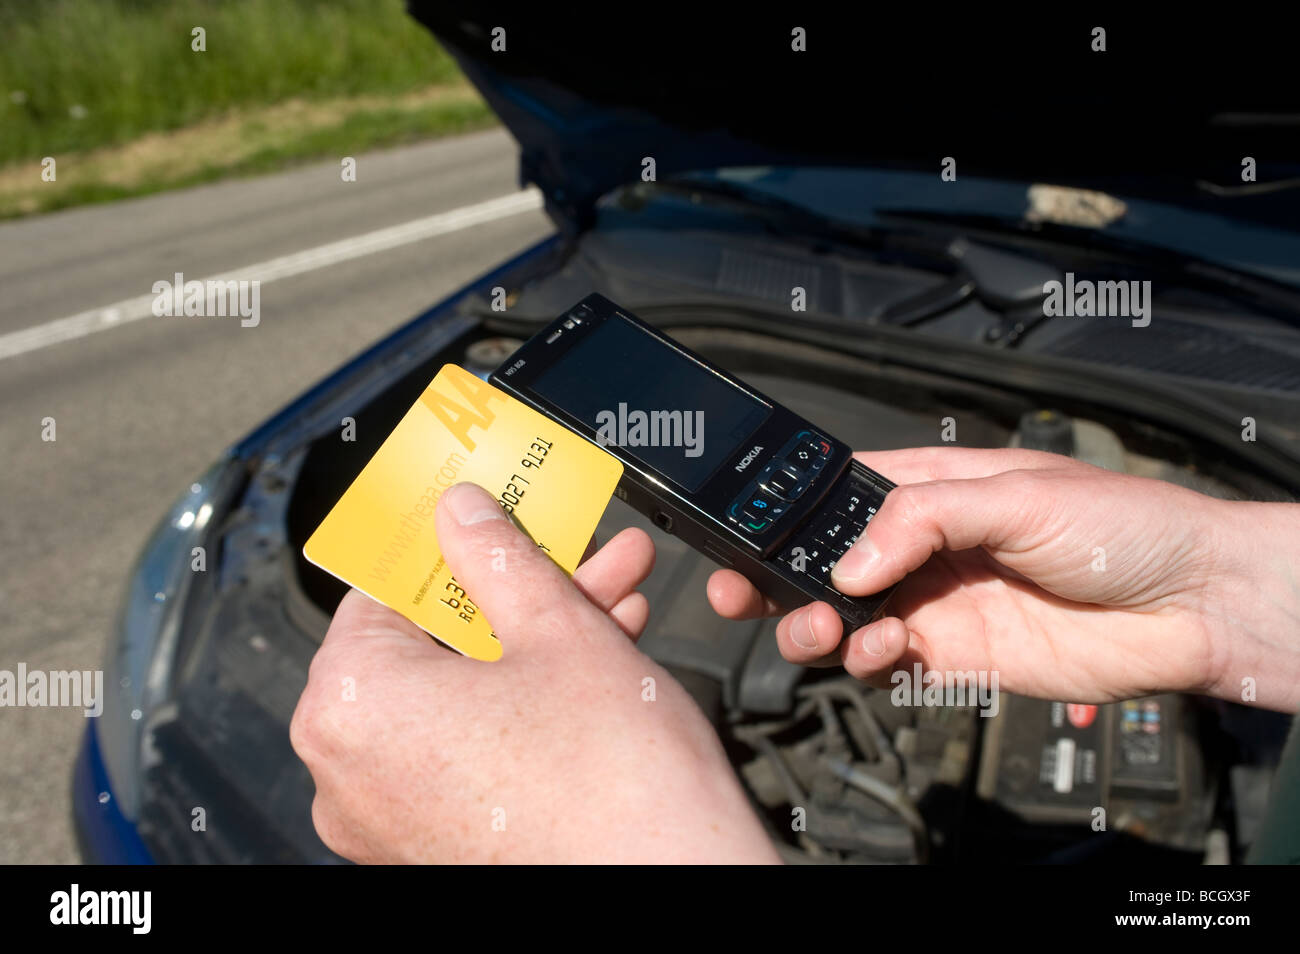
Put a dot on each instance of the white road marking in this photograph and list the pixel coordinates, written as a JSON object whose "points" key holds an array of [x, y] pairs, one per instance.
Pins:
{"points": [[133, 309]]}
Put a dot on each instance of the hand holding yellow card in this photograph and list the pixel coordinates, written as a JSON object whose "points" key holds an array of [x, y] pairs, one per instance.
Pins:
{"points": [[380, 535]]}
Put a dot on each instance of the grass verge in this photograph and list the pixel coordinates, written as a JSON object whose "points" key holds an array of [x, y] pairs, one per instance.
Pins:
{"points": [[242, 143], [119, 95]]}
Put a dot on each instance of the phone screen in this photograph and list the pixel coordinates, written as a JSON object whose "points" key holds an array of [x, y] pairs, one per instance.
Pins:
{"points": [[635, 392]]}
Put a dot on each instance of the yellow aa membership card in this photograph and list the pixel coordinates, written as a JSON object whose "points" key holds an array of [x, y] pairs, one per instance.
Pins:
{"points": [[380, 535]]}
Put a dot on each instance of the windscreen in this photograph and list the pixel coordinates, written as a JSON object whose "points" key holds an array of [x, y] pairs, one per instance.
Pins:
{"points": [[635, 392]]}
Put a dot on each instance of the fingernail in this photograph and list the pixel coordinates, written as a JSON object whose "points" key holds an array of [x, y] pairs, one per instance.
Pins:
{"points": [[873, 640], [801, 631], [857, 563], [469, 504]]}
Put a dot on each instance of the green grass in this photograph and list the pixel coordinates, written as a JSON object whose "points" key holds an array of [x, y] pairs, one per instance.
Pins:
{"points": [[77, 75], [352, 134]]}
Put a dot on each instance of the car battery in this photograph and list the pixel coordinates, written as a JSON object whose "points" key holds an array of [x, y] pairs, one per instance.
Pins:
{"points": [[1056, 762]]}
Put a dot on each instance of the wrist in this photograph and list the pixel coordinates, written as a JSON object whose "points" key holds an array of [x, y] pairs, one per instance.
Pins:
{"points": [[698, 813], [1252, 605]]}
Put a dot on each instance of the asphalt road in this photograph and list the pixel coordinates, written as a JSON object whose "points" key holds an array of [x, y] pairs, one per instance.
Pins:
{"points": [[142, 407]]}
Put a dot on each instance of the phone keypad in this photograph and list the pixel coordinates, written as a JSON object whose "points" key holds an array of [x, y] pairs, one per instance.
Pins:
{"points": [[837, 527], [783, 479]]}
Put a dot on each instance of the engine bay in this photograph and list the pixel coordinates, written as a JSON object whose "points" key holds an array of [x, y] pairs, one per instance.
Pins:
{"points": [[842, 773]]}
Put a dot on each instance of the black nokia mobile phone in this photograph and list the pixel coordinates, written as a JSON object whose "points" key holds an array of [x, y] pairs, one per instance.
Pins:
{"points": [[735, 475]]}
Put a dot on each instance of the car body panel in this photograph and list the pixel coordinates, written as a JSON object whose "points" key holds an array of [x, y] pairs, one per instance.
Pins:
{"points": [[104, 835]]}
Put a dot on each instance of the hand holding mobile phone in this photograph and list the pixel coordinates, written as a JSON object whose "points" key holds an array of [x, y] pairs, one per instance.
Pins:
{"points": [[735, 475]]}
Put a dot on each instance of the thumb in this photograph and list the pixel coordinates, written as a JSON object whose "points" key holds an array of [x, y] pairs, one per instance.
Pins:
{"points": [[917, 520], [519, 589]]}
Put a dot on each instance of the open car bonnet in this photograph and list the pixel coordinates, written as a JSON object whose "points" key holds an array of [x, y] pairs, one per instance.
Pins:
{"points": [[1165, 114]]}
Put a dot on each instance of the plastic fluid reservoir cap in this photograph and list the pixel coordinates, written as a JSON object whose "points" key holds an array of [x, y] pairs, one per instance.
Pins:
{"points": [[1047, 430]]}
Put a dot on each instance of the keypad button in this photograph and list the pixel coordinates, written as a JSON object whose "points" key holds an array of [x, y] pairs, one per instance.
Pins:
{"points": [[811, 559], [762, 506], [831, 532], [806, 457], [754, 524], [856, 504], [816, 442], [809, 454], [821, 570], [787, 482], [804, 557]]}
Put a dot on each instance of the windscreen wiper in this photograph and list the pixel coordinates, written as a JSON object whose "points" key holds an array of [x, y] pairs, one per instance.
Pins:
{"points": [[1263, 295], [790, 220], [1004, 280]]}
